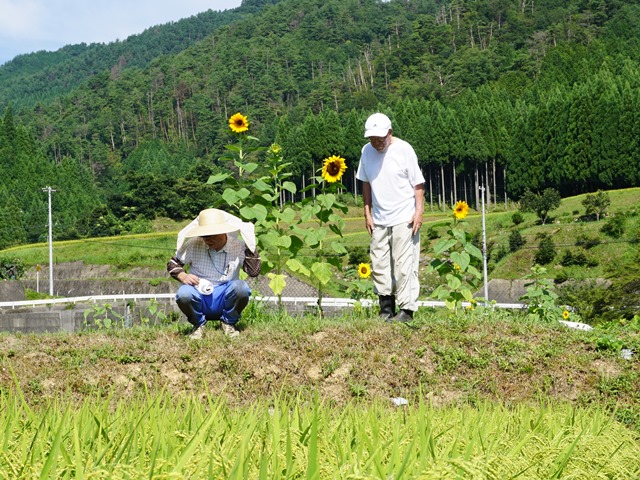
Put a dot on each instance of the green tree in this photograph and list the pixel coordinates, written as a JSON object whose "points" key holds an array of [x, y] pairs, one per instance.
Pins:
{"points": [[540, 203], [596, 204]]}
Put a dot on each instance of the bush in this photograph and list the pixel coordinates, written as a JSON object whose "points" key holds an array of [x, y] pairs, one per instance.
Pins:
{"points": [[432, 233], [499, 253], [358, 255], [587, 242], [517, 218], [561, 277], [546, 251], [614, 226], [11, 268], [516, 241], [569, 259]]}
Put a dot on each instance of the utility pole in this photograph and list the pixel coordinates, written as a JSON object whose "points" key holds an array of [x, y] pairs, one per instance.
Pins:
{"points": [[49, 190], [484, 251]]}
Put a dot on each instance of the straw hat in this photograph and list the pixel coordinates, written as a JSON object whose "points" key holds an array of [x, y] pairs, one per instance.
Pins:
{"points": [[211, 222]]}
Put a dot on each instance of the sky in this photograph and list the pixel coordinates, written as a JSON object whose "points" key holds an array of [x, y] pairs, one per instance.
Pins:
{"points": [[28, 26]]}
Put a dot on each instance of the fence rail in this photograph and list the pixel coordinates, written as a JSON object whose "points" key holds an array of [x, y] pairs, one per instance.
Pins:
{"points": [[326, 302]]}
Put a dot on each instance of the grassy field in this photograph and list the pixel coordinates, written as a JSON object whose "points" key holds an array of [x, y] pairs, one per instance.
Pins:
{"points": [[478, 395]]}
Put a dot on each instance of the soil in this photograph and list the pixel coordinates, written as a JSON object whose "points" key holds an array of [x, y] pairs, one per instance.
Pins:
{"points": [[340, 362]]}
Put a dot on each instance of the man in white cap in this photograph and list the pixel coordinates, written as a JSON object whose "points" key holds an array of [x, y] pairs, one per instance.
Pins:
{"points": [[393, 194], [212, 289]]}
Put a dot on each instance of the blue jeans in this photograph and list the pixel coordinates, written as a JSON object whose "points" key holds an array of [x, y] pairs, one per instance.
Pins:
{"points": [[225, 303]]}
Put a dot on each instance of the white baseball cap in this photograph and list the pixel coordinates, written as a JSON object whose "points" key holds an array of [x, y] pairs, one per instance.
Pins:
{"points": [[377, 125]]}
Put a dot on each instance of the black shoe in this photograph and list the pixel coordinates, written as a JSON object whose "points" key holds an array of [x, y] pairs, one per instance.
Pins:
{"points": [[403, 316], [387, 306]]}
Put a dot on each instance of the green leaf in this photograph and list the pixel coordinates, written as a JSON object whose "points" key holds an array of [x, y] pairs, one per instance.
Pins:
{"points": [[259, 212], [230, 196], [277, 282], [262, 186], [326, 200], [443, 245], [289, 187], [338, 247], [221, 177], [288, 215], [462, 259], [454, 282], [466, 293], [296, 266], [311, 238], [322, 271], [284, 241], [250, 167], [473, 250], [243, 193]]}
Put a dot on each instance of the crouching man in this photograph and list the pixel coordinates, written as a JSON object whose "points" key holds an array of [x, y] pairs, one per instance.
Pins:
{"points": [[212, 289]]}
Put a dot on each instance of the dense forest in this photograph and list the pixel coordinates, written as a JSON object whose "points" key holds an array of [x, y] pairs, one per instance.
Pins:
{"points": [[511, 94]]}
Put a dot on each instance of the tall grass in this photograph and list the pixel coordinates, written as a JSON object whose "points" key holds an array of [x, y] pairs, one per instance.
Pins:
{"points": [[161, 436]]}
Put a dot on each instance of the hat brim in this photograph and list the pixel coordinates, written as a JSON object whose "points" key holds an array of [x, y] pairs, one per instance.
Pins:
{"points": [[206, 230], [376, 132]]}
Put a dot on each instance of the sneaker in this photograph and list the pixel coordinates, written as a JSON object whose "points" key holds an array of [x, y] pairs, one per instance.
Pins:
{"points": [[403, 316], [229, 330], [197, 333]]}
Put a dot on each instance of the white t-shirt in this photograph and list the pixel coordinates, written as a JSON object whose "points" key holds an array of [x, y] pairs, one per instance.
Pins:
{"points": [[393, 174]]}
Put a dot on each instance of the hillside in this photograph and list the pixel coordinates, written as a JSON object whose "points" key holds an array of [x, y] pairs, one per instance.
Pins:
{"points": [[488, 93], [41, 77]]}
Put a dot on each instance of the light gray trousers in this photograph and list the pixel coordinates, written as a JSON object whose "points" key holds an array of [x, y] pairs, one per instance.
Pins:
{"points": [[395, 258]]}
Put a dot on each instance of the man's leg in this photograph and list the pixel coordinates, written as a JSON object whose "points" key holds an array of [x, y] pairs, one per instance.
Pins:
{"points": [[228, 301], [405, 254], [381, 270], [190, 302]]}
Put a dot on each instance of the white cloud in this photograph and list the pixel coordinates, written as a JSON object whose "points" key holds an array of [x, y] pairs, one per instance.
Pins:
{"points": [[32, 25]]}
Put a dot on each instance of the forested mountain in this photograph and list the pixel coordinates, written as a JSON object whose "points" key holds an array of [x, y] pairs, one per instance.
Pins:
{"points": [[42, 76], [513, 94]]}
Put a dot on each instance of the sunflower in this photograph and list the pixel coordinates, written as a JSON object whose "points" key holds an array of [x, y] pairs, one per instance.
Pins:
{"points": [[461, 210], [333, 168], [275, 149], [364, 270], [238, 123], [565, 314]]}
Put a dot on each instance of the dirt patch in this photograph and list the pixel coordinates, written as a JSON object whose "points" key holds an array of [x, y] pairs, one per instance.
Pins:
{"points": [[339, 363]]}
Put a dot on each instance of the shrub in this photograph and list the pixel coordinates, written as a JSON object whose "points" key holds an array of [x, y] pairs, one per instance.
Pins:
{"points": [[11, 268], [499, 253], [614, 226], [358, 255], [517, 218], [569, 259], [546, 251], [587, 242], [561, 277], [516, 241]]}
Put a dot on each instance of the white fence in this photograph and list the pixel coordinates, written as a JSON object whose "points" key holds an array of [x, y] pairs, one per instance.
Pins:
{"points": [[326, 302]]}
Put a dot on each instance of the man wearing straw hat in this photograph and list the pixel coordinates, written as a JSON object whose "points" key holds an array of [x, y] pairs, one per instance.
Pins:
{"points": [[212, 289]]}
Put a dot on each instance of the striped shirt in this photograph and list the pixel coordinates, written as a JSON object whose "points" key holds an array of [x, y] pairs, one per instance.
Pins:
{"points": [[216, 266]]}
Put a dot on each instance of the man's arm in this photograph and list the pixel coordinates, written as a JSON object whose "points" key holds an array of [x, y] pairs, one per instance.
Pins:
{"points": [[176, 269], [252, 262], [366, 198], [418, 191]]}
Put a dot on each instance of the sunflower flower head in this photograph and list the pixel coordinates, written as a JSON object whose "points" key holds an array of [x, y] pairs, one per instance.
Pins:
{"points": [[461, 209], [238, 123], [275, 149], [364, 270], [333, 168], [565, 314]]}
